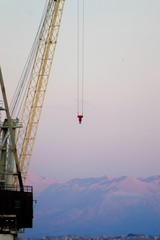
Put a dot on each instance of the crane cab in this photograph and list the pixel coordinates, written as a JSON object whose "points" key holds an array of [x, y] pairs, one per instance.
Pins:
{"points": [[16, 209]]}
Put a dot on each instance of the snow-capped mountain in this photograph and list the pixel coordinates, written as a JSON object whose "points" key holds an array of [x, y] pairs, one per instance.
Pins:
{"points": [[38, 183], [97, 206]]}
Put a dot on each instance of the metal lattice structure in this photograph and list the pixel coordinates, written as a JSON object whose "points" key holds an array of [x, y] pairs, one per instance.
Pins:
{"points": [[38, 81]]}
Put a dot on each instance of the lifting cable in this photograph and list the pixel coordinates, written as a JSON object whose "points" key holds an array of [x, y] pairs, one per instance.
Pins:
{"points": [[80, 59], [21, 90]]}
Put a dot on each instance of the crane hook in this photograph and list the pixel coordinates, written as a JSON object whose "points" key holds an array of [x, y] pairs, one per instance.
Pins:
{"points": [[80, 118]]}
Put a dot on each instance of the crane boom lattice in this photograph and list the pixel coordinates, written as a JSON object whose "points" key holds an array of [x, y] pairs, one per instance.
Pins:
{"points": [[38, 81]]}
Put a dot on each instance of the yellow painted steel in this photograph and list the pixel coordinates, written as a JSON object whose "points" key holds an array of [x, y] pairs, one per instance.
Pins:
{"points": [[38, 82]]}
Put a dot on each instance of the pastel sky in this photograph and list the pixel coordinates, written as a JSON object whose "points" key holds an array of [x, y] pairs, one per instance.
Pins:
{"points": [[120, 133]]}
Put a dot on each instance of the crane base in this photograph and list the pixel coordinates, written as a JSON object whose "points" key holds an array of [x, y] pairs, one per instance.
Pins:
{"points": [[16, 209]]}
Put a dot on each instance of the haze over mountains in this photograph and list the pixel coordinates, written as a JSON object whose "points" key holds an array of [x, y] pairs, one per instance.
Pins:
{"points": [[96, 206]]}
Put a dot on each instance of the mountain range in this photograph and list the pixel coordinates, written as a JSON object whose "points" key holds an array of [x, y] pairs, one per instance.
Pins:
{"points": [[96, 206]]}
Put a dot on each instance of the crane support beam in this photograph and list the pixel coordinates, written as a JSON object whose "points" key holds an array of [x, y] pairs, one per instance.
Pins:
{"points": [[14, 149]]}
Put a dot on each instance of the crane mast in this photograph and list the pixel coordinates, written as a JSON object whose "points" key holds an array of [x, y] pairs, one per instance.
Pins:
{"points": [[38, 80]]}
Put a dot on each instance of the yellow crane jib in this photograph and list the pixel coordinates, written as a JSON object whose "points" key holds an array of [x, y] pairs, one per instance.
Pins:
{"points": [[38, 80]]}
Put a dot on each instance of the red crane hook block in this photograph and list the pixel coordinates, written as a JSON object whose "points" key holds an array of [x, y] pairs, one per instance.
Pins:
{"points": [[80, 118]]}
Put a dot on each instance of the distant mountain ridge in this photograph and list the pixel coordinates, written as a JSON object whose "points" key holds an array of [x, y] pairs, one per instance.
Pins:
{"points": [[97, 206], [39, 183]]}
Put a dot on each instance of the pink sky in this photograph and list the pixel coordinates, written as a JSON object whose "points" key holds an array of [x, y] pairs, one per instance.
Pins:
{"points": [[120, 134]]}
